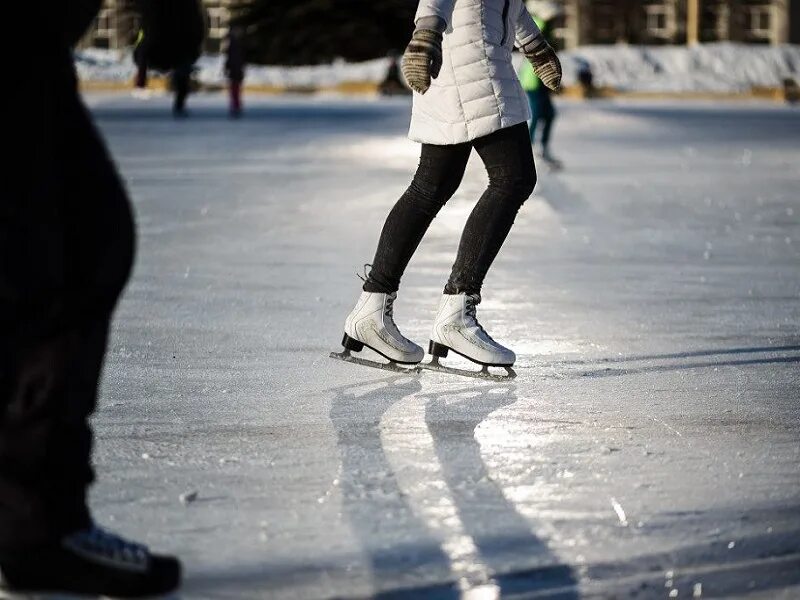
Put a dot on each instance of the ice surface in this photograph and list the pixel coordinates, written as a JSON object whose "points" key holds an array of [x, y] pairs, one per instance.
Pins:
{"points": [[648, 373]]}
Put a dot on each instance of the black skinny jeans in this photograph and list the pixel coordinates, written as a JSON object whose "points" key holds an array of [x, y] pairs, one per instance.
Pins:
{"points": [[508, 159], [66, 249]]}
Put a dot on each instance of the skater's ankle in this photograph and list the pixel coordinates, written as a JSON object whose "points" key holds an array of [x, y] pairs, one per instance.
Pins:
{"points": [[455, 290], [373, 288]]}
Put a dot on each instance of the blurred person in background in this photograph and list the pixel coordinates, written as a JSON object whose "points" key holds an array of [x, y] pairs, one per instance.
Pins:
{"points": [[66, 250], [540, 96], [180, 80], [235, 62], [467, 96], [586, 77], [392, 83], [172, 42], [140, 60]]}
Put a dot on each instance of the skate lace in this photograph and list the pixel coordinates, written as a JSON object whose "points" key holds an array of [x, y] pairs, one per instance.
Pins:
{"points": [[388, 309], [470, 309], [365, 276], [101, 546]]}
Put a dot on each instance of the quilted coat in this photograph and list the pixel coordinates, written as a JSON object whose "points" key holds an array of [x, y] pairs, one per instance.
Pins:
{"points": [[477, 91]]}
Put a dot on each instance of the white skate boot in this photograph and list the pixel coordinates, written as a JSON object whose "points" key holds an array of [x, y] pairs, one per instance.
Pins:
{"points": [[372, 324], [456, 328]]}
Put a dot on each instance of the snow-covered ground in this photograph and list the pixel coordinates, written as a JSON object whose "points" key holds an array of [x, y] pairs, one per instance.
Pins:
{"points": [[722, 67], [649, 448], [109, 65]]}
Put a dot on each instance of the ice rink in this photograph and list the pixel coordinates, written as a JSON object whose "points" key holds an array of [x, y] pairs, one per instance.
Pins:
{"points": [[649, 448]]}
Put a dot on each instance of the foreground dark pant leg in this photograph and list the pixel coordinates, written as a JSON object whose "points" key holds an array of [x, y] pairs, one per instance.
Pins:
{"points": [[508, 159], [59, 304], [438, 176]]}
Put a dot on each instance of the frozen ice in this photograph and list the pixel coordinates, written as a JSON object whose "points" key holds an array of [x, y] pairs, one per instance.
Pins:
{"points": [[188, 497], [632, 341]]}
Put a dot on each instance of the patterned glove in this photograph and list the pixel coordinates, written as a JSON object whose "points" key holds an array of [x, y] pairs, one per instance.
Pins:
{"points": [[545, 62], [422, 59]]}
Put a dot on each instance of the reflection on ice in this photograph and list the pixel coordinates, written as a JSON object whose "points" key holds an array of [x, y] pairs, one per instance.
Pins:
{"points": [[382, 151], [482, 592]]}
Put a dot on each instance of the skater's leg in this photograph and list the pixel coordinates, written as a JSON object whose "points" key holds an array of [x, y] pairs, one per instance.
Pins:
{"points": [[71, 234], [99, 228], [141, 75], [48, 390], [100, 236], [371, 322], [181, 81], [533, 100], [508, 159], [45, 439], [235, 90], [548, 115], [438, 176]]}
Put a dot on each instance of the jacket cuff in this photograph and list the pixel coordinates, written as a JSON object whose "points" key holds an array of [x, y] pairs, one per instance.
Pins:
{"points": [[532, 43], [432, 23]]}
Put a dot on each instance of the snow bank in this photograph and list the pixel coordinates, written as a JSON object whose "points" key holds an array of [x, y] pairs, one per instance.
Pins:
{"points": [[722, 67], [94, 64], [104, 65], [372, 71]]}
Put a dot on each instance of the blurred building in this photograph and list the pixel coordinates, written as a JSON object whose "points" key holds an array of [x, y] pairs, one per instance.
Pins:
{"points": [[671, 22], [114, 27], [117, 24], [583, 22]]}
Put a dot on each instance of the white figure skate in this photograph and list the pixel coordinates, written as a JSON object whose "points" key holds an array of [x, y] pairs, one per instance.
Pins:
{"points": [[457, 328], [371, 324]]}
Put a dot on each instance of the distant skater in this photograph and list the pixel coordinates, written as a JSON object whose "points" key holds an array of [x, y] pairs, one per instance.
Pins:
{"points": [[392, 83], [235, 61], [171, 42], [467, 97], [540, 96], [181, 80], [140, 60]]}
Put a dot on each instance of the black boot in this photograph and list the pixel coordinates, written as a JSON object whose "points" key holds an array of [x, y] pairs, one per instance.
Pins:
{"points": [[91, 562]]}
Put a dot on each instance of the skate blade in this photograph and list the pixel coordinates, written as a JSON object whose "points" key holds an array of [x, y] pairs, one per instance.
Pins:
{"points": [[484, 373], [390, 366]]}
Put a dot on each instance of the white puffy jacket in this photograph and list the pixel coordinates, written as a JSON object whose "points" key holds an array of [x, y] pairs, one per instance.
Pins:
{"points": [[477, 91]]}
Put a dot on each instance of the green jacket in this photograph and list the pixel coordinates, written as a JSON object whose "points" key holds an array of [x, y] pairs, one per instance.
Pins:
{"points": [[527, 77]]}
